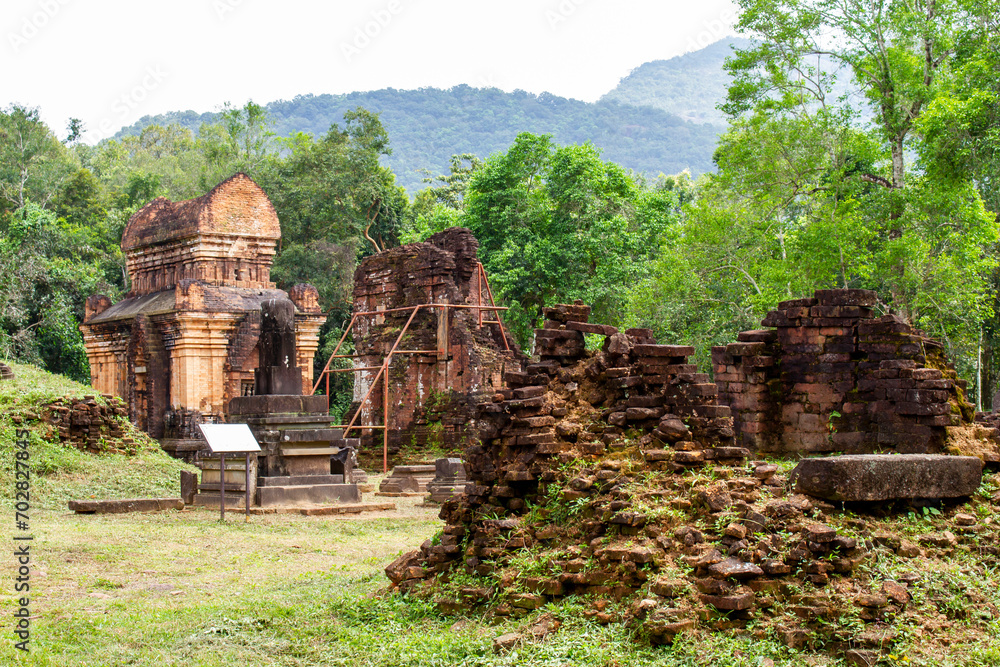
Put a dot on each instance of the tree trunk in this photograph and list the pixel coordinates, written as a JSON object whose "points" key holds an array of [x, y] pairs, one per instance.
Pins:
{"points": [[897, 162], [979, 372]]}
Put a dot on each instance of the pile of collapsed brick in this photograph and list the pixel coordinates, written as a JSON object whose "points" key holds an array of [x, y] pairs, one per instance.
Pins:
{"points": [[832, 378], [569, 491], [685, 553], [573, 404], [769, 549], [6, 373], [91, 426]]}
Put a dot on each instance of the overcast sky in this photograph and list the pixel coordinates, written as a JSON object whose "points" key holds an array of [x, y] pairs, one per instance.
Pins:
{"points": [[109, 62]]}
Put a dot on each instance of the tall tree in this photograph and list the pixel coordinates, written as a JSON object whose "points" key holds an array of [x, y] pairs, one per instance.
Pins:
{"points": [[557, 223], [335, 187], [241, 140], [160, 161], [33, 161], [960, 128], [823, 190], [440, 205], [894, 52]]}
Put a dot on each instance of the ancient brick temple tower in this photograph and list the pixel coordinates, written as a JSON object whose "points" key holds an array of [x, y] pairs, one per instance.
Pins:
{"points": [[184, 341], [449, 359]]}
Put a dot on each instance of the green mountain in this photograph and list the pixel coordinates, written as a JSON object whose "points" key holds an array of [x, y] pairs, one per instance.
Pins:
{"points": [[427, 126], [689, 86], [661, 118]]}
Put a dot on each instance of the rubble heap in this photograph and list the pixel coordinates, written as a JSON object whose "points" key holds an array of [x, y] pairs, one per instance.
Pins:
{"points": [[716, 549], [831, 377], [615, 473], [575, 405]]}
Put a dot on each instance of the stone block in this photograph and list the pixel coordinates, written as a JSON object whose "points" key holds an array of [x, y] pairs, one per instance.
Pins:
{"points": [[125, 506], [189, 486], [662, 350], [729, 602], [314, 494], [408, 479], [449, 479], [599, 329], [880, 477], [756, 336], [277, 404], [734, 568]]}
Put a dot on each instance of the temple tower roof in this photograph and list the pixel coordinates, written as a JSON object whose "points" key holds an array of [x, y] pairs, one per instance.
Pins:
{"points": [[225, 238], [236, 206]]}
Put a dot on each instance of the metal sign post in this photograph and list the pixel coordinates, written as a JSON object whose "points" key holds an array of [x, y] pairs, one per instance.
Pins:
{"points": [[234, 439], [222, 485]]}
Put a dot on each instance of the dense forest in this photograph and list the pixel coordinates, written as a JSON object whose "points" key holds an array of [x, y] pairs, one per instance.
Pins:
{"points": [[429, 125], [893, 189]]}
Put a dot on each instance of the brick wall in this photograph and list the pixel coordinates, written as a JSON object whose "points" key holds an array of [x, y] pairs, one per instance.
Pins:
{"points": [[831, 377]]}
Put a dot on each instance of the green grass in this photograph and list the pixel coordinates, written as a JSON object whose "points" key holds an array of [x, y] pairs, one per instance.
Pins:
{"points": [[62, 473], [33, 387], [179, 588]]}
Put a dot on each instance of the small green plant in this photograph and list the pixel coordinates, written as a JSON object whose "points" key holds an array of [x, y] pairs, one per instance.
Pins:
{"points": [[926, 514], [831, 427], [533, 563]]}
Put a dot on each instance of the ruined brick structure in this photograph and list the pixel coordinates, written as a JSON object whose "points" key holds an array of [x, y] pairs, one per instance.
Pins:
{"points": [[567, 493], [89, 425], [463, 357], [575, 404], [830, 377], [184, 340], [632, 404]]}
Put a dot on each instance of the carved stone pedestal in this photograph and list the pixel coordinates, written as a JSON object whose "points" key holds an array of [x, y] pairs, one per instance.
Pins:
{"points": [[302, 460]]}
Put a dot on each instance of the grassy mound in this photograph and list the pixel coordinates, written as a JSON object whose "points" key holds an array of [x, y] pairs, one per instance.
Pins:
{"points": [[61, 473]]}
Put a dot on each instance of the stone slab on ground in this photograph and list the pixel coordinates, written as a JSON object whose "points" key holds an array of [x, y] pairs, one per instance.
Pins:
{"points": [[125, 506], [353, 508], [303, 495], [408, 479], [879, 477]]}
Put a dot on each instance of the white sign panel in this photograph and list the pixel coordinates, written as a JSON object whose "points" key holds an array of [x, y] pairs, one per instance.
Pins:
{"points": [[229, 438]]}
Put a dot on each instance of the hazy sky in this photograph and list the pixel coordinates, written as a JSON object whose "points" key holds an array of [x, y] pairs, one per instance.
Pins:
{"points": [[109, 62]]}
